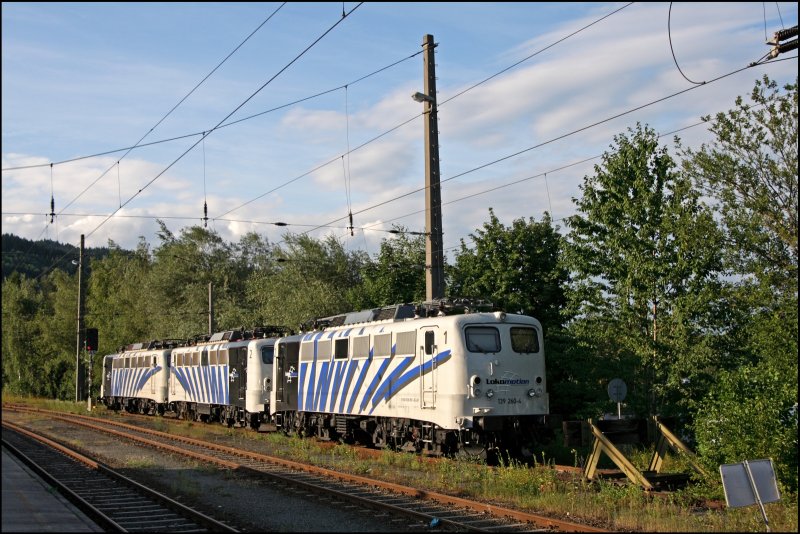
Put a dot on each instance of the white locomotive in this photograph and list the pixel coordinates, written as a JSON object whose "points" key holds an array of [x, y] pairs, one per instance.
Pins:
{"points": [[406, 377], [135, 379], [436, 384], [227, 378]]}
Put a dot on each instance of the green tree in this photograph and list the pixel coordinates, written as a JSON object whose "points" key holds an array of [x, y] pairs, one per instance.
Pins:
{"points": [[397, 274], [516, 267], [182, 270], [312, 279], [751, 169], [643, 253], [57, 345], [21, 302]]}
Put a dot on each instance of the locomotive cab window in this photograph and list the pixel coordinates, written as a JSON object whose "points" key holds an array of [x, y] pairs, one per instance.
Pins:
{"points": [[267, 354], [524, 340], [484, 339]]}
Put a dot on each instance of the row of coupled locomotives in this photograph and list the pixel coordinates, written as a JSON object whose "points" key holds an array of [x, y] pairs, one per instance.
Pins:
{"points": [[417, 378]]}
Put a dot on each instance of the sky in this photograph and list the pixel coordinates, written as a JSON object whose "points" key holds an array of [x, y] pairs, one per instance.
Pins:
{"points": [[311, 117]]}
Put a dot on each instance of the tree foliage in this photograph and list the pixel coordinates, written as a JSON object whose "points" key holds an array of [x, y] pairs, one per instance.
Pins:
{"points": [[516, 267], [751, 169], [397, 275], [313, 279], [643, 254]]}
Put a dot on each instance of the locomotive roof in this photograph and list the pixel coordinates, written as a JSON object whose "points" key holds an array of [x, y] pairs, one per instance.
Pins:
{"points": [[401, 312]]}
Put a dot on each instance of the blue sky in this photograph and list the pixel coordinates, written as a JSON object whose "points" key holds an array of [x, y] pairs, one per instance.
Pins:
{"points": [[82, 79]]}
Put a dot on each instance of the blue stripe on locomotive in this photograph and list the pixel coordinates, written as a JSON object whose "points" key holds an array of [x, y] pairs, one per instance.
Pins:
{"points": [[393, 388], [360, 382], [204, 384], [129, 382]]}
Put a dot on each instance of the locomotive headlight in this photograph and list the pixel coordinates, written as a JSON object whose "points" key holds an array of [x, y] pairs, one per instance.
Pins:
{"points": [[476, 392], [531, 393], [501, 316], [490, 393]]}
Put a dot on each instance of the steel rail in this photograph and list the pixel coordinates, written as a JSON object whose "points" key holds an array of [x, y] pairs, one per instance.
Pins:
{"points": [[108, 520]]}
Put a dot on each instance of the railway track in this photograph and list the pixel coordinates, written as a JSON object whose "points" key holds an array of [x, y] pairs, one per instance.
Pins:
{"points": [[113, 501], [421, 507]]}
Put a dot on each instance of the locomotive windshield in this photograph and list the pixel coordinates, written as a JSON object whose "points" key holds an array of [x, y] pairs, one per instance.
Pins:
{"points": [[484, 339], [524, 340], [267, 353]]}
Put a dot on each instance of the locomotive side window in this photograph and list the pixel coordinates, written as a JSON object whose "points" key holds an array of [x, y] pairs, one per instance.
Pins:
{"points": [[429, 338], [406, 342], [383, 345], [267, 354], [212, 357], [340, 349], [485, 339], [307, 352], [204, 358], [324, 350], [223, 357], [360, 347], [524, 340]]}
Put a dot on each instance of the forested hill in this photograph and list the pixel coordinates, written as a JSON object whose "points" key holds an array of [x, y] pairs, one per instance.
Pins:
{"points": [[33, 258]]}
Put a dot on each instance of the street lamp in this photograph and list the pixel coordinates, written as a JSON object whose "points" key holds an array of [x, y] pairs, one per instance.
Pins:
{"points": [[421, 97]]}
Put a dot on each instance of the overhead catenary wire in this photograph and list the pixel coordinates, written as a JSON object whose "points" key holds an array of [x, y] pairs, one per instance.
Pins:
{"points": [[301, 54], [376, 137], [231, 123], [411, 119], [148, 184], [669, 35], [225, 125], [369, 227], [175, 107], [139, 142], [525, 179], [539, 145]]}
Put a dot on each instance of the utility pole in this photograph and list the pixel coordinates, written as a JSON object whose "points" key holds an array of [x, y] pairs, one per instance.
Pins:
{"points": [[210, 311], [434, 253], [81, 331]]}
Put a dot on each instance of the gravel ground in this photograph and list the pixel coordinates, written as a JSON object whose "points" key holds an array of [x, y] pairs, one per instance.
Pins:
{"points": [[243, 502]]}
